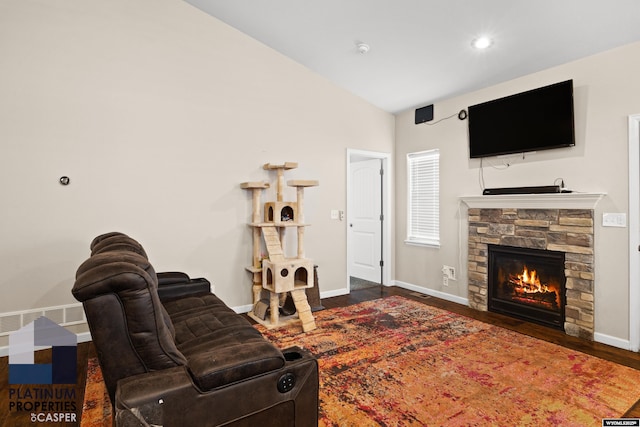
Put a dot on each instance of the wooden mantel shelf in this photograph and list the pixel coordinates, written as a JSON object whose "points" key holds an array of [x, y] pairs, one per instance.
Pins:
{"points": [[535, 201]]}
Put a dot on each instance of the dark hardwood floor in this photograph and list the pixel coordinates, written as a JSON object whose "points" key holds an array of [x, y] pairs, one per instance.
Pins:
{"points": [[85, 350]]}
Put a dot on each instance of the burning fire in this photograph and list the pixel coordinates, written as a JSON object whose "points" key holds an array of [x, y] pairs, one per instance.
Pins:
{"points": [[528, 285], [529, 281]]}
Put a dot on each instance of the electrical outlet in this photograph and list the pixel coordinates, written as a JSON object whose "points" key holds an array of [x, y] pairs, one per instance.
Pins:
{"points": [[449, 272], [445, 281]]}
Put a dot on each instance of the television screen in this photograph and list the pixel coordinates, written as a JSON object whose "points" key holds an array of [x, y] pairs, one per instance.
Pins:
{"points": [[538, 119]]}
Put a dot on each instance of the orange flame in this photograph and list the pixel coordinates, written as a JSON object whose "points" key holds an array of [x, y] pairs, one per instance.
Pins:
{"points": [[530, 281], [527, 285]]}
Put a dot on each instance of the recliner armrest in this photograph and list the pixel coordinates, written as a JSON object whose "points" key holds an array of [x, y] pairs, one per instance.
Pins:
{"points": [[232, 360], [170, 398], [171, 277], [173, 285]]}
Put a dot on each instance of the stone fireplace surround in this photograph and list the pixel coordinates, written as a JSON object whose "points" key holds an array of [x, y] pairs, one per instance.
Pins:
{"points": [[558, 222]]}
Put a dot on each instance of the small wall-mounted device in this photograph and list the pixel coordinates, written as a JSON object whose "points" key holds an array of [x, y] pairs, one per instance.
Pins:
{"points": [[424, 114], [64, 180]]}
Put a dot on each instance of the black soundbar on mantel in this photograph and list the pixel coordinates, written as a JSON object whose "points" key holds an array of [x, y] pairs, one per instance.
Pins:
{"points": [[544, 189]]}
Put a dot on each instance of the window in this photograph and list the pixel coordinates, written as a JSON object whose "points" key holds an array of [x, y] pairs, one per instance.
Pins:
{"points": [[423, 211]]}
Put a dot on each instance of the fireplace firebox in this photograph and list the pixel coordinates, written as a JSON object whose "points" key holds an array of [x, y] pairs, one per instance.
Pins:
{"points": [[527, 283]]}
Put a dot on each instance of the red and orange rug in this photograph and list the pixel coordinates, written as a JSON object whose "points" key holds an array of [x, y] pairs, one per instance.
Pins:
{"points": [[397, 362], [96, 409]]}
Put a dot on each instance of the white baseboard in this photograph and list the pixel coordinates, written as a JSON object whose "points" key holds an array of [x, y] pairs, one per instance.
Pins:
{"points": [[243, 308], [442, 295], [334, 293], [84, 337], [612, 341]]}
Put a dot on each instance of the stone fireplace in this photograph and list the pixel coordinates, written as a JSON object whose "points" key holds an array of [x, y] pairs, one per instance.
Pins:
{"points": [[561, 224]]}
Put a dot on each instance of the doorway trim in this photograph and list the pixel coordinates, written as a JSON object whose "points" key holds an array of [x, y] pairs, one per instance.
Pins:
{"points": [[634, 232], [387, 198]]}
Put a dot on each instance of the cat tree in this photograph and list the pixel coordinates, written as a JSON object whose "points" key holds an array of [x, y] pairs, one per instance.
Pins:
{"points": [[278, 275]]}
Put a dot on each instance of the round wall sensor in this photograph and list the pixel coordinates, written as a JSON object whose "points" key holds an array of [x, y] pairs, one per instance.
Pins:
{"points": [[64, 180], [363, 48]]}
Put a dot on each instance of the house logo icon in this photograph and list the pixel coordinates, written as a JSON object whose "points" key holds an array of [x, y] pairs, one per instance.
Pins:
{"points": [[37, 335]]}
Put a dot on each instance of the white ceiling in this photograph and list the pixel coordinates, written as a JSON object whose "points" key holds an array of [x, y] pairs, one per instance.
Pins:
{"points": [[421, 49]]}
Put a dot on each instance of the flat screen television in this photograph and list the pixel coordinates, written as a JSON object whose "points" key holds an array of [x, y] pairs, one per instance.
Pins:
{"points": [[538, 119]]}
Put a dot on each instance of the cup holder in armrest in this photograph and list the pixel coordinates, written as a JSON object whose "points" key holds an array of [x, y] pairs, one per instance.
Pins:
{"points": [[291, 355], [294, 355]]}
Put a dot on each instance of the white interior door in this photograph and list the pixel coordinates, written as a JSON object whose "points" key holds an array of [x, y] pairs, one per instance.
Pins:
{"points": [[365, 220]]}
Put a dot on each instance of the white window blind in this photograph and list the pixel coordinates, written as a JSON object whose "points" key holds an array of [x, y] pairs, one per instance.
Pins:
{"points": [[423, 177]]}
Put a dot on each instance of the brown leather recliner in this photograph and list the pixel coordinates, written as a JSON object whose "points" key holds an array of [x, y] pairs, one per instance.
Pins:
{"points": [[175, 355]]}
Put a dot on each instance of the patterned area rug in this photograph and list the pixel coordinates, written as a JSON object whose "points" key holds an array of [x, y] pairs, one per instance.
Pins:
{"points": [[96, 409], [396, 362]]}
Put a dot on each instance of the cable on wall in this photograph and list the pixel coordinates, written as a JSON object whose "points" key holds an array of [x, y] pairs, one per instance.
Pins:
{"points": [[506, 164], [462, 115]]}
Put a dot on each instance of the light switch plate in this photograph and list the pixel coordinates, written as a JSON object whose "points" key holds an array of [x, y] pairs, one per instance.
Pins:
{"points": [[614, 220]]}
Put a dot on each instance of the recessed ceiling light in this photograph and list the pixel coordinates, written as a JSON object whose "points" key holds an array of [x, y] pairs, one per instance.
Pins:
{"points": [[482, 42]]}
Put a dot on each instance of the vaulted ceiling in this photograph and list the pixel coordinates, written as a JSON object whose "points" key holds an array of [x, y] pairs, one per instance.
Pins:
{"points": [[420, 50]]}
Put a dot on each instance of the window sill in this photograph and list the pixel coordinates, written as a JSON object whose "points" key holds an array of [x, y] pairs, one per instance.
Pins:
{"points": [[423, 244]]}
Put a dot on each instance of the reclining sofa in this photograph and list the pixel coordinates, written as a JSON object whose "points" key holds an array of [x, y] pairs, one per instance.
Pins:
{"points": [[173, 354]]}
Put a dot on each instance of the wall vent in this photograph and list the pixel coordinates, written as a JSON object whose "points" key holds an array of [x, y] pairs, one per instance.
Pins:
{"points": [[63, 315]]}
